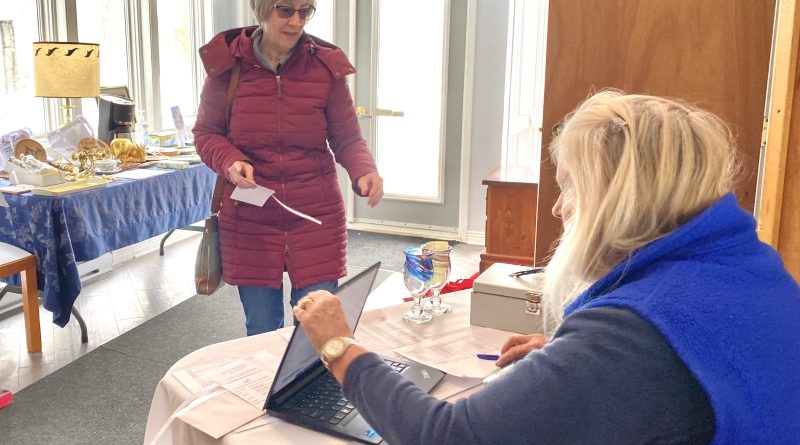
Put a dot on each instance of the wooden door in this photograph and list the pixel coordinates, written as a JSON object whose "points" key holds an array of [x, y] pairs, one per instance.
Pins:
{"points": [[713, 53]]}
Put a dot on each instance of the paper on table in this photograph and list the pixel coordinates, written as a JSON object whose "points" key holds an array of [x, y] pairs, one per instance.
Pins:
{"points": [[378, 330], [266, 419], [245, 385], [253, 388], [452, 385], [456, 353], [140, 173]]}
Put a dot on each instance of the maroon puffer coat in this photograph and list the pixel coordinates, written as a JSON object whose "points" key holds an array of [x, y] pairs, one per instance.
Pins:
{"points": [[282, 125]]}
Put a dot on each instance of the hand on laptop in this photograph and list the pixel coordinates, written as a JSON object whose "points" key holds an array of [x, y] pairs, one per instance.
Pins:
{"points": [[321, 316]]}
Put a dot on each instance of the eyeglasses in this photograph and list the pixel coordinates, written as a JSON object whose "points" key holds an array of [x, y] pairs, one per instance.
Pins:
{"points": [[286, 12]]}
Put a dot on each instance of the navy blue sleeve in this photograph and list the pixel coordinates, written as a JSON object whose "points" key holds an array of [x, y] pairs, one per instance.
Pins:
{"points": [[607, 377]]}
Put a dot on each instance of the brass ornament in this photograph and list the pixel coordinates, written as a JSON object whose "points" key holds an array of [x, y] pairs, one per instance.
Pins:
{"points": [[126, 151]]}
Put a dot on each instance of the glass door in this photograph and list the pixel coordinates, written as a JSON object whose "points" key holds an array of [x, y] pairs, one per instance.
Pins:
{"points": [[409, 56]]}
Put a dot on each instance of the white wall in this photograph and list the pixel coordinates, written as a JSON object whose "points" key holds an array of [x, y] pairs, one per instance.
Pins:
{"points": [[487, 103]]}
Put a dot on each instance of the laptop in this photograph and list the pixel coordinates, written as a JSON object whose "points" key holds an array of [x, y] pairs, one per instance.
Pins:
{"points": [[305, 393]]}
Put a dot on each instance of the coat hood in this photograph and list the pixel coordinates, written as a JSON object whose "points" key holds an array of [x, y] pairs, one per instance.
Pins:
{"points": [[219, 54]]}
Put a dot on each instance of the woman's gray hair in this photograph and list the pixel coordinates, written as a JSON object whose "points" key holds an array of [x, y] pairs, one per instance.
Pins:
{"points": [[634, 168], [261, 8]]}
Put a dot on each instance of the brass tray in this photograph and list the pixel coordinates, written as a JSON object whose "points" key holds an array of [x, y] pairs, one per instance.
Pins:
{"points": [[70, 187]]}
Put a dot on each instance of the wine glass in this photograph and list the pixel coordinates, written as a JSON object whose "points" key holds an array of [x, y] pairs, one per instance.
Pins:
{"points": [[441, 272], [417, 274]]}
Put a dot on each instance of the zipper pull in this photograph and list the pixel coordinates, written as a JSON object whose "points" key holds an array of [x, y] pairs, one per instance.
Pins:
{"points": [[286, 249], [280, 92]]}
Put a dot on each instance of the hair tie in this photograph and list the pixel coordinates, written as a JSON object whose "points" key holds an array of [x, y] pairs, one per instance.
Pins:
{"points": [[617, 124]]}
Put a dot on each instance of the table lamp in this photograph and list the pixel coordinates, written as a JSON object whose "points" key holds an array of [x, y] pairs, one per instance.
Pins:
{"points": [[68, 70]]}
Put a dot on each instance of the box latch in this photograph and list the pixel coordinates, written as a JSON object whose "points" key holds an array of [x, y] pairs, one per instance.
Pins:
{"points": [[533, 303]]}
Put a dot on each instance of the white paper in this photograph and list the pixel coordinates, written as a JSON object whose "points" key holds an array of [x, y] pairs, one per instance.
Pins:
{"points": [[140, 173], [452, 385], [257, 196], [297, 212], [266, 419], [456, 353], [252, 388]]}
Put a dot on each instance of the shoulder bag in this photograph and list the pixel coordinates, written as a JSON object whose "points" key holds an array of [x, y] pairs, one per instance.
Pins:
{"points": [[208, 265]]}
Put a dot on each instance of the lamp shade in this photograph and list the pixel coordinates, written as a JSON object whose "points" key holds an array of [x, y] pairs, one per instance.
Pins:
{"points": [[66, 69]]}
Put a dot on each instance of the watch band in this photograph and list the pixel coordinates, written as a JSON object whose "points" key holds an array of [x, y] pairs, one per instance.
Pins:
{"points": [[327, 357]]}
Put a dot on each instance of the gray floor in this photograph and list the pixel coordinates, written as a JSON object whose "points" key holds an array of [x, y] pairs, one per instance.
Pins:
{"points": [[145, 287]]}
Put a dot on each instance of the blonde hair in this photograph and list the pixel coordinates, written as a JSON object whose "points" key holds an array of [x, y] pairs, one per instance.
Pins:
{"points": [[636, 168], [261, 8]]}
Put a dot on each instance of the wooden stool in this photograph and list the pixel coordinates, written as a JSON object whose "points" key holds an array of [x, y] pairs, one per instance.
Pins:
{"points": [[15, 260]]}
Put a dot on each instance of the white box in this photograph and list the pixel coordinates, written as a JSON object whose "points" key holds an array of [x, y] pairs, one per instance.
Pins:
{"points": [[507, 303], [30, 178]]}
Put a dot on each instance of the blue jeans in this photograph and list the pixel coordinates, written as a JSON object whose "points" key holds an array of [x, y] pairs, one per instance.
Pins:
{"points": [[263, 306]]}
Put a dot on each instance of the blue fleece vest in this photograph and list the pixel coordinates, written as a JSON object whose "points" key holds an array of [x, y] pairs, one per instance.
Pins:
{"points": [[725, 303]]}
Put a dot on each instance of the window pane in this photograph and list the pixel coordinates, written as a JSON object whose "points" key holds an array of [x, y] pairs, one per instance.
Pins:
{"points": [[408, 115], [103, 22], [19, 108], [175, 60], [526, 85], [321, 25]]}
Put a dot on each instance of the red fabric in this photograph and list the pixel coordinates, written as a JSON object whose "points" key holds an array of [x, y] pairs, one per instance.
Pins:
{"points": [[282, 125], [461, 284], [452, 286]]}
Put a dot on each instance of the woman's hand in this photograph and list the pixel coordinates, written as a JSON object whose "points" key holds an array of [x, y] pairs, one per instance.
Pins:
{"points": [[321, 316], [371, 186], [240, 173], [518, 346]]}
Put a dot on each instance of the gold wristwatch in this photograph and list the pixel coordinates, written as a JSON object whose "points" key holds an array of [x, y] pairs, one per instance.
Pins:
{"points": [[335, 348]]}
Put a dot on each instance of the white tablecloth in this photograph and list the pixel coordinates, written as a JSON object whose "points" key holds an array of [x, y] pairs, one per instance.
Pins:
{"points": [[265, 351]]}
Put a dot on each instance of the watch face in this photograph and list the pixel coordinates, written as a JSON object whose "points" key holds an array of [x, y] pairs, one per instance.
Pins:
{"points": [[334, 347]]}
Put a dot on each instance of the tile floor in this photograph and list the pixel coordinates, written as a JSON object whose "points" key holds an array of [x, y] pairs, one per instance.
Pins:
{"points": [[116, 302]]}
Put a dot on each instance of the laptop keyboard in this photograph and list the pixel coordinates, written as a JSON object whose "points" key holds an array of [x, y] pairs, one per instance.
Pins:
{"points": [[324, 401]]}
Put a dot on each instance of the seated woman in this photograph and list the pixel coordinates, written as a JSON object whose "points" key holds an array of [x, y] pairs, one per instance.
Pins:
{"points": [[675, 323]]}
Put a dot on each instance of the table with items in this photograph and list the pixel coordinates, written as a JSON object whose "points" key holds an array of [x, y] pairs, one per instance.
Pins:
{"points": [[215, 395], [66, 229]]}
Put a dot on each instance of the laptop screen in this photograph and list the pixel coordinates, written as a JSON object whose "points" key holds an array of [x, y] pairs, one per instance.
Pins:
{"points": [[300, 354]]}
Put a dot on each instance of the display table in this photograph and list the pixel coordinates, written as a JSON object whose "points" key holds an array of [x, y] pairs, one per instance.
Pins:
{"points": [[64, 230], [265, 350]]}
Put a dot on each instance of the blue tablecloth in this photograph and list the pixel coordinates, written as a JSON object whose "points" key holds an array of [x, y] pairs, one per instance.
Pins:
{"points": [[63, 230]]}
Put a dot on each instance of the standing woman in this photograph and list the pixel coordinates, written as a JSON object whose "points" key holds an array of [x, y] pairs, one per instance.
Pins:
{"points": [[291, 118]]}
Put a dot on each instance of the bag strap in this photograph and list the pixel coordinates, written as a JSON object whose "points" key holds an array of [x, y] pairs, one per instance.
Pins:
{"points": [[216, 198]]}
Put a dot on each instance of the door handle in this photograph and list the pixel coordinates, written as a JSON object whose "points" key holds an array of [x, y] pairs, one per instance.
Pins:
{"points": [[362, 112]]}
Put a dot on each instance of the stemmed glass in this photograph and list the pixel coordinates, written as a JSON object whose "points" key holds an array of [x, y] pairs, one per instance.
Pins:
{"points": [[441, 272], [417, 274]]}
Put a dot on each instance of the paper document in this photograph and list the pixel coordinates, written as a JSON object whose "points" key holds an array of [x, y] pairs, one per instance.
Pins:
{"points": [[452, 385], [456, 353], [259, 196]]}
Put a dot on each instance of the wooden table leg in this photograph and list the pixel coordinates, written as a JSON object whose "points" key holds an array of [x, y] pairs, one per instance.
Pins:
{"points": [[30, 307]]}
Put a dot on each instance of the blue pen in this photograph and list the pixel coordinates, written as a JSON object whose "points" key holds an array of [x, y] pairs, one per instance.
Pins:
{"points": [[488, 357]]}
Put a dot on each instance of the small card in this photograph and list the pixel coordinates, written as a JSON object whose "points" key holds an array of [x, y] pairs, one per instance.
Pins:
{"points": [[257, 196]]}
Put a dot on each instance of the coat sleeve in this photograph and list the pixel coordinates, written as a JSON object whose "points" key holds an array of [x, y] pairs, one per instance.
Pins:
{"points": [[211, 142], [344, 134]]}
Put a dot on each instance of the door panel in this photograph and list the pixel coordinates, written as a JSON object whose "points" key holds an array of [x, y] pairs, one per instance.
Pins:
{"points": [[713, 53], [400, 125]]}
